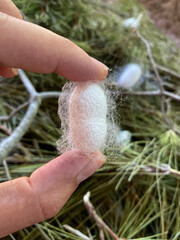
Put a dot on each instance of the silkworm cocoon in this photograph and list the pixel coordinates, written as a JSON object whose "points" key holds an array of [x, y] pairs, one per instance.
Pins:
{"points": [[130, 75], [87, 117], [133, 22]]}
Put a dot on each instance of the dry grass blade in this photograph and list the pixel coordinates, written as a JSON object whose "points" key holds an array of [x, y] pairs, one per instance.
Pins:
{"points": [[76, 232]]}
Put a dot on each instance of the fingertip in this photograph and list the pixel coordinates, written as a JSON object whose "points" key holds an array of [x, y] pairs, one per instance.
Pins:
{"points": [[97, 160], [98, 157], [102, 68]]}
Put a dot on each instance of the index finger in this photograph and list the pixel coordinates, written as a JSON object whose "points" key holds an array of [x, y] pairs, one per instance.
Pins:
{"points": [[33, 48]]}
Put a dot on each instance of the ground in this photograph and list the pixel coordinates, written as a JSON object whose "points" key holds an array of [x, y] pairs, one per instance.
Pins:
{"points": [[166, 15]]}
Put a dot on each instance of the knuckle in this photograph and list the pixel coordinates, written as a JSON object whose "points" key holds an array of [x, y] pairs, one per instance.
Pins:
{"points": [[49, 208], [54, 208]]}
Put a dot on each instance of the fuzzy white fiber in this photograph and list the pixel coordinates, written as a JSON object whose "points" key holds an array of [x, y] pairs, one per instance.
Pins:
{"points": [[87, 117]]}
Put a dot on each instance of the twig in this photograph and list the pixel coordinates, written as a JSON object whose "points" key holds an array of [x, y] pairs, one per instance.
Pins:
{"points": [[38, 226], [76, 232], [4, 129], [164, 169], [172, 95], [100, 223], [42, 95], [162, 68], [152, 60], [159, 79], [20, 145], [10, 142], [45, 95], [28, 85], [152, 93], [7, 118]]}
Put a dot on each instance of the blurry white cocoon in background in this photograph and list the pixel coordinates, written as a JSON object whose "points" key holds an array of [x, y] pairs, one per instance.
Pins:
{"points": [[87, 113], [130, 76]]}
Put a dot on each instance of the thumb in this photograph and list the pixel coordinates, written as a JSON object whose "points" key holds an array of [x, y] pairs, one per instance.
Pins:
{"points": [[56, 181], [25, 201]]}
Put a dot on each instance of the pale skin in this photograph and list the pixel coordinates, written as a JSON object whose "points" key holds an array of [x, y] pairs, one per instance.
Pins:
{"points": [[28, 200]]}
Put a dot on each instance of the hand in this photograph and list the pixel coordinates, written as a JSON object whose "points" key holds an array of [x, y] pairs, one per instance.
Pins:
{"points": [[33, 48], [25, 201]]}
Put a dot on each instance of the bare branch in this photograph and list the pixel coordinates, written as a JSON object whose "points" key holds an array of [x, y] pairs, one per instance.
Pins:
{"points": [[172, 95], [20, 145], [28, 85], [159, 79], [152, 93], [168, 71], [10, 142], [152, 61], [4, 129], [44, 95], [100, 223], [76, 232], [7, 118], [163, 168]]}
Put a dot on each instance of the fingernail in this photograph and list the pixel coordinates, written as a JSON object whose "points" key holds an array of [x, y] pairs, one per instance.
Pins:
{"points": [[100, 64], [15, 71], [22, 15], [97, 160]]}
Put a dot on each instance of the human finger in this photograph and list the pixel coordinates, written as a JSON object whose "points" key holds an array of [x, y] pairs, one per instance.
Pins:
{"points": [[33, 48], [8, 7], [26, 201], [8, 72]]}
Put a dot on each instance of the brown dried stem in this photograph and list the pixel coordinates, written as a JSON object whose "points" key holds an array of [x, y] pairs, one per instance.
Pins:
{"points": [[100, 223], [7, 118], [167, 70]]}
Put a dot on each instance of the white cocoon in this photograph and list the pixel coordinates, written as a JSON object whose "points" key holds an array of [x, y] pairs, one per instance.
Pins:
{"points": [[87, 117], [130, 75]]}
